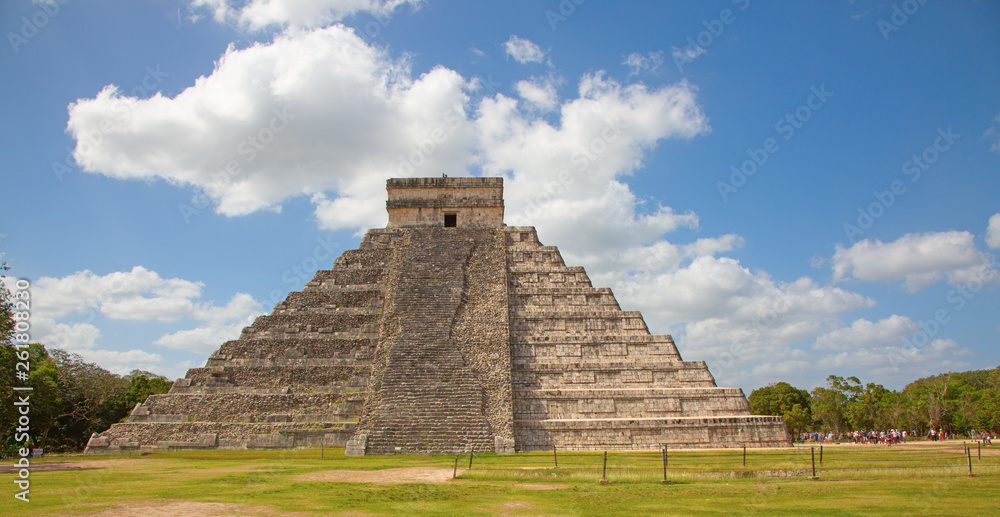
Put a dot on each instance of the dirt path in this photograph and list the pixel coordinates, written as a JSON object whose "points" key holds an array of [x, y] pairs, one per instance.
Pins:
{"points": [[385, 476], [167, 508]]}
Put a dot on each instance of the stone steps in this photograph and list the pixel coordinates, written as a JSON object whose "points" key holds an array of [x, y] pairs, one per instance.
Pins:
{"points": [[430, 399]]}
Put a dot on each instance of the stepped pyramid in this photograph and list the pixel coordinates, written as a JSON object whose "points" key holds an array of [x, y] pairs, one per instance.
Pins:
{"points": [[444, 331]]}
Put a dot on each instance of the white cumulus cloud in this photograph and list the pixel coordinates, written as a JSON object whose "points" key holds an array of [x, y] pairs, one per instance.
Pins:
{"points": [[918, 259], [866, 334], [221, 324], [638, 63], [541, 94], [313, 113], [261, 14], [136, 295], [523, 50], [901, 364], [993, 232]]}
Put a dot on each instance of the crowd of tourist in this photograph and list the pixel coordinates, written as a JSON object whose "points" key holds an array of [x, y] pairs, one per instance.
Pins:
{"points": [[893, 436]]}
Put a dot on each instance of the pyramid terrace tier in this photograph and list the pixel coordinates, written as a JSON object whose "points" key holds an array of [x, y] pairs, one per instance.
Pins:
{"points": [[532, 277], [318, 376], [651, 433], [316, 319], [543, 298], [588, 403], [161, 436], [360, 296], [608, 347], [611, 375], [287, 349], [250, 407], [570, 321]]}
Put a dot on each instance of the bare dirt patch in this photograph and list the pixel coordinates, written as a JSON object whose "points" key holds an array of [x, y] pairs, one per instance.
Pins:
{"points": [[182, 509], [514, 505], [385, 476], [538, 486], [43, 466]]}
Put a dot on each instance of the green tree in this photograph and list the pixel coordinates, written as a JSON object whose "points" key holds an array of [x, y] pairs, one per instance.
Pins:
{"points": [[863, 408], [6, 308], [829, 405], [44, 397], [783, 399], [141, 385], [89, 395]]}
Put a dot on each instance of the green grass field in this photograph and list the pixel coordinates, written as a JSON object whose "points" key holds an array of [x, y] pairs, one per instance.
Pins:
{"points": [[920, 478]]}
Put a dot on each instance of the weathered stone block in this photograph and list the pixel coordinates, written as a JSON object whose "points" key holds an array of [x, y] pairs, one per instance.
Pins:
{"points": [[357, 445]]}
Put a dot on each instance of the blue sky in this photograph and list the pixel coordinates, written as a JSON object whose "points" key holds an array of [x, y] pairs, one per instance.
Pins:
{"points": [[791, 190]]}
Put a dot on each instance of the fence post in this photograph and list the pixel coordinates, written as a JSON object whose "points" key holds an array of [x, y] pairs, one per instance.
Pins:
{"points": [[604, 470], [664, 464], [454, 473], [744, 455], [813, 453], [321, 450], [820, 455], [471, 452], [980, 451], [969, 454], [555, 458]]}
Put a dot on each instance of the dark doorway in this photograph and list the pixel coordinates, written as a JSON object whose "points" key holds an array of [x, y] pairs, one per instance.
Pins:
{"points": [[450, 220]]}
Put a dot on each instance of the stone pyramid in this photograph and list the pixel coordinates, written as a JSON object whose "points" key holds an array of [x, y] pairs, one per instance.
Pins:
{"points": [[447, 330]]}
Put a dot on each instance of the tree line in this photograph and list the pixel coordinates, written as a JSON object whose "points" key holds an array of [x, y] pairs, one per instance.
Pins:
{"points": [[955, 402], [69, 398]]}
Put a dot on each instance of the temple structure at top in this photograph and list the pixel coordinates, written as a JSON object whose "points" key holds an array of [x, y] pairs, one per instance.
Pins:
{"points": [[445, 202]]}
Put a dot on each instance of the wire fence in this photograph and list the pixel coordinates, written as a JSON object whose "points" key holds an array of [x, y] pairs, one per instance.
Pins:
{"points": [[809, 461]]}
